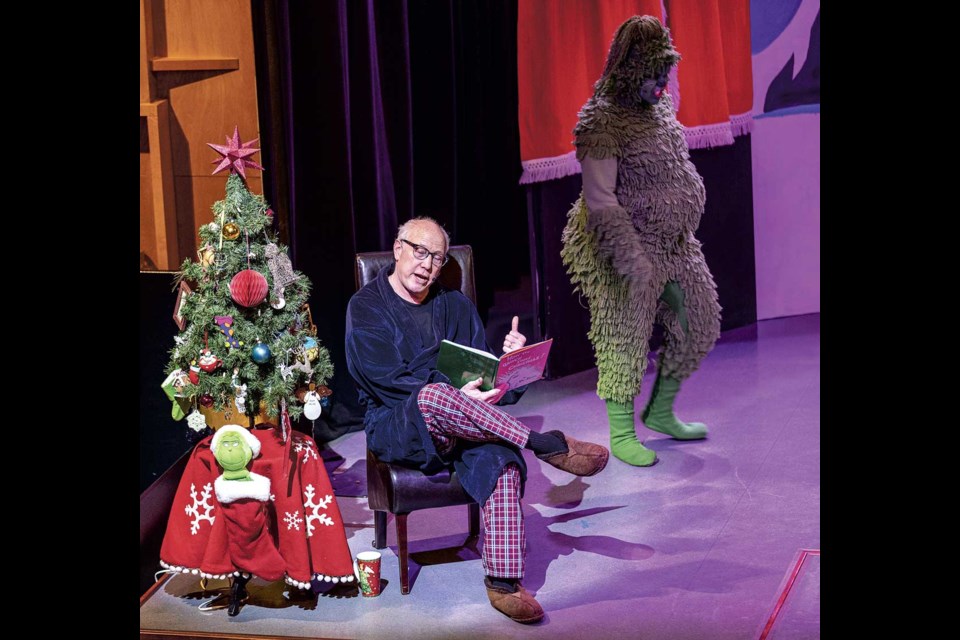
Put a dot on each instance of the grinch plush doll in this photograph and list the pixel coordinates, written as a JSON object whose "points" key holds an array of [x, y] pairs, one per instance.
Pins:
{"points": [[244, 496]]}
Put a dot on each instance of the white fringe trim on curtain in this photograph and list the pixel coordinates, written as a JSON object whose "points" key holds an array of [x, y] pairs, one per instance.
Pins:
{"points": [[720, 134], [702, 137], [742, 123], [708, 135], [540, 169]]}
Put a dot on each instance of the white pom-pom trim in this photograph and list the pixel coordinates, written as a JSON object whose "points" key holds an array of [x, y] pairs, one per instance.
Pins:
{"points": [[297, 583], [225, 576]]}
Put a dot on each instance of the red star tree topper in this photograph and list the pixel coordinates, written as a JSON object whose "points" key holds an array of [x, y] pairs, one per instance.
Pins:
{"points": [[236, 155]]}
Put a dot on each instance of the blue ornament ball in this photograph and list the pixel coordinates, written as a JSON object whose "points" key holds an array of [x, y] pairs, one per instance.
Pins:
{"points": [[261, 353]]}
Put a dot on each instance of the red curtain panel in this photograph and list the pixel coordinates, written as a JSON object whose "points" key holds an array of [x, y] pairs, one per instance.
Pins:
{"points": [[561, 49]]}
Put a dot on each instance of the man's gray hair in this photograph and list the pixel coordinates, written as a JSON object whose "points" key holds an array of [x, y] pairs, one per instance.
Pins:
{"points": [[405, 227]]}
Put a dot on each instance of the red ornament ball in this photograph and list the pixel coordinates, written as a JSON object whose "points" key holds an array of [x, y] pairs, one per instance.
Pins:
{"points": [[248, 288]]}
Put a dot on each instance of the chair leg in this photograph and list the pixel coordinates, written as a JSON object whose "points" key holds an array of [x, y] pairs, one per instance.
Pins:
{"points": [[402, 548], [473, 516], [379, 529]]}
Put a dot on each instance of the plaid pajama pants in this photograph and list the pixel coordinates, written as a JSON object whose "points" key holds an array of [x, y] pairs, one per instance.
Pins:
{"points": [[449, 414]]}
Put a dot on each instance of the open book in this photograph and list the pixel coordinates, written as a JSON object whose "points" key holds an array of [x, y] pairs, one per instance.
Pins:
{"points": [[463, 364]]}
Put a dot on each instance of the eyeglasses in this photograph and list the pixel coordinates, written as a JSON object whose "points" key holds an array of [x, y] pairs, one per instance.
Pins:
{"points": [[420, 253]]}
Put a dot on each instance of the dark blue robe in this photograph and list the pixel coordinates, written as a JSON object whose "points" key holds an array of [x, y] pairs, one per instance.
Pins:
{"points": [[390, 364]]}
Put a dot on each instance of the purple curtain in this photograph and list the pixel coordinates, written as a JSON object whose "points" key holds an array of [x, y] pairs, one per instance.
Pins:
{"points": [[380, 111]]}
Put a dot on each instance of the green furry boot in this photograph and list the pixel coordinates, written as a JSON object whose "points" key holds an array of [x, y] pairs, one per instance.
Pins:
{"points": [[658, 415], [623, 436]]}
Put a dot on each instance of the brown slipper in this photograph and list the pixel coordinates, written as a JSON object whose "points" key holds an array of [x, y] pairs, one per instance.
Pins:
{"points": [[519, 606], [581, 458]]}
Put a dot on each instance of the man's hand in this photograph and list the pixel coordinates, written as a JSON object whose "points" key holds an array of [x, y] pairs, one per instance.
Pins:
{"points": [[514, 339], [472, 390]]}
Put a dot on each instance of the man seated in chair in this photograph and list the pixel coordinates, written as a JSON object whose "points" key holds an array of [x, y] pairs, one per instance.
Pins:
{"points": [[415, 417]]}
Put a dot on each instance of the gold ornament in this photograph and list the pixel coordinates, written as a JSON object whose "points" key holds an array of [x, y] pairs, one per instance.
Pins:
{"points": [[231, 231]]}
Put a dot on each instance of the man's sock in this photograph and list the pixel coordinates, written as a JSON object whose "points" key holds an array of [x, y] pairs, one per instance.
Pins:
{"points": [[507, 584], [546, 444]]}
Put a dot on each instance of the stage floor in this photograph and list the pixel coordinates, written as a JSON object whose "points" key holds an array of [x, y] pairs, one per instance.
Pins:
{"points": [[719, 539]]}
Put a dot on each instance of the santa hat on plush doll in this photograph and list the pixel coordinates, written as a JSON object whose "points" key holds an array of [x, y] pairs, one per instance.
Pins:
{"points": [[248, 437], [234, 447]]}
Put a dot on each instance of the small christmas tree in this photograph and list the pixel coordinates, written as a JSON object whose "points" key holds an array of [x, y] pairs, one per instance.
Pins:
{"points": [[246, 336]]}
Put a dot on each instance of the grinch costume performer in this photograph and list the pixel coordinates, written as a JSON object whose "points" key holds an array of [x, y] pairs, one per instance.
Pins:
{"points": [[629, 244]]}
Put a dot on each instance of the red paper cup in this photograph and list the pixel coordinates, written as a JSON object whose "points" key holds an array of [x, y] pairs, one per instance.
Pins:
{"points": [[368, 573]]}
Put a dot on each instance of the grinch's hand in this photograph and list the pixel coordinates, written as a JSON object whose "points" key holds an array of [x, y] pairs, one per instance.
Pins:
{"points": [[673, 296]]}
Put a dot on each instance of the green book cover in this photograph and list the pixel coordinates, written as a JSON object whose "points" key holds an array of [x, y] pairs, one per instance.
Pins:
{"points": [[463, 364]]}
